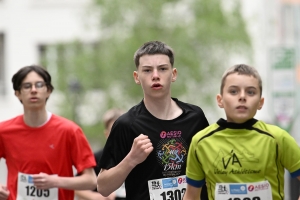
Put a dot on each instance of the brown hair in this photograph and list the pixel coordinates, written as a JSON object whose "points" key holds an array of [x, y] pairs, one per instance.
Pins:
{"points": [[242, 69], [22, 73], [151, 48]]}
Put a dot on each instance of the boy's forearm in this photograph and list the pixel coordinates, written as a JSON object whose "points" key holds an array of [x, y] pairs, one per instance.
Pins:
{"points": [[110, 180], [86, 181], [192, 193]]}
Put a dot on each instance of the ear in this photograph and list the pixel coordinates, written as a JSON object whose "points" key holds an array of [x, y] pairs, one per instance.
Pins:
{"points": [[261, 103], [220, 101], [136, 77], [18, 94], [174, 74], [49, 92]]}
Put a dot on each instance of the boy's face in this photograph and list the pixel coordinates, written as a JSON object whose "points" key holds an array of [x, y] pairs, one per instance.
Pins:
{"points": [[241, 98], [33, 91], [155, 74]]}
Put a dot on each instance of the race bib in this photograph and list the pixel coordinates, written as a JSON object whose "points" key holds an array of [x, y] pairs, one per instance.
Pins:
{"points": [[167, 188], [243, 191], [27, 191]]}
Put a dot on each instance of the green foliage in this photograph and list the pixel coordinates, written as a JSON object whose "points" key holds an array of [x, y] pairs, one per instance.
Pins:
{"points": [[203, 35]]}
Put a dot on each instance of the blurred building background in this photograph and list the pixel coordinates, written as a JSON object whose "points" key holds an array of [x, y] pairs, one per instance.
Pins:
{"points": [[28, 26]]}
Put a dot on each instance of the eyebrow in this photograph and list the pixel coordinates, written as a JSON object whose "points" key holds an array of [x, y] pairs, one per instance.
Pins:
{"points": [[236, 86], [33, 82], [149, 66]]}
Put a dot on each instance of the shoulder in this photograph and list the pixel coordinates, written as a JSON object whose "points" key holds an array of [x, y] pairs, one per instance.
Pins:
{"points": [[272, 130], [188, 107], [62, 123], [60, 119], [192, 113], [206, 132], [11, 120], [131, 115], [11, 123]]}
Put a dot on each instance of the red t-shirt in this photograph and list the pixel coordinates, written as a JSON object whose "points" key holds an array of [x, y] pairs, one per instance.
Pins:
{"points": [[52, 148]]}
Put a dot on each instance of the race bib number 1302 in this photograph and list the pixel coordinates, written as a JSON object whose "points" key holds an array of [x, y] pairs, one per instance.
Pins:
{"points": [[167, 188]]}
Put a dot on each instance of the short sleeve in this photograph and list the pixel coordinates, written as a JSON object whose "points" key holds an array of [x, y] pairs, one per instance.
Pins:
{"points": [[82, 154], [194, 172], [290, 154], [118, 144]]}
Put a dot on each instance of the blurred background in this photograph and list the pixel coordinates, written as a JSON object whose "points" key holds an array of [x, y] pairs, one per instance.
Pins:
{"points": [[88, 47]]}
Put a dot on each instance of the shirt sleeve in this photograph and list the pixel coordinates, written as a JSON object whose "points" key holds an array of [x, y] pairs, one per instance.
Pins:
{"points": [[118, 144], [194, 172], [82, 154], [290, 154]]}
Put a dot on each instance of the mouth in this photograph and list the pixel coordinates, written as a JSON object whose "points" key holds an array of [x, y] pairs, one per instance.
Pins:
{"points": [[156, 86], [241, 108], [33, 99]]}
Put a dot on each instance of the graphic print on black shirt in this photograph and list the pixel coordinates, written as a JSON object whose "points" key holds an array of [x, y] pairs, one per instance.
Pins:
{"points": [[171, 153]]}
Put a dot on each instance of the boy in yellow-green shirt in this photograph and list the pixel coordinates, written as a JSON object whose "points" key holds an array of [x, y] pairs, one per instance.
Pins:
{"points": [[241, 158]]}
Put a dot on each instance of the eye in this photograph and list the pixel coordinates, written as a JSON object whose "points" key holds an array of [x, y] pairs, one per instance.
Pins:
{"points": [[163, 69], [39, 84], [251, 92], [233, 91], [146, 70], [26, 85]]}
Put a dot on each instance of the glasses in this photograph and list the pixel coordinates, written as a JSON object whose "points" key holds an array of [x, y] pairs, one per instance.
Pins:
{"points": [[26, 87]]}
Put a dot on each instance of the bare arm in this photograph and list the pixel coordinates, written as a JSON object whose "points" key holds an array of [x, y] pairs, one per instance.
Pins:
{"points": [[4, 193], [92, 195], [110, 180], [86, 181], [192, 193]]}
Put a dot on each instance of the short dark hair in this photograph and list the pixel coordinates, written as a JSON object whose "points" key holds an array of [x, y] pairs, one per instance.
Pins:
{"points": [[244, 70], [151, 48], [22, 73]]}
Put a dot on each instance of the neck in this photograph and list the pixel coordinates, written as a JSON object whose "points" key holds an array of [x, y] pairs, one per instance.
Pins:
{"points": [[35, 118], [165, 109]]}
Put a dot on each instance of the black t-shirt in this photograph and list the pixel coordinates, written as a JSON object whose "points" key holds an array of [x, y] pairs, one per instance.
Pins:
{"points": [[97, 169], [98, 155], [170, 139]]}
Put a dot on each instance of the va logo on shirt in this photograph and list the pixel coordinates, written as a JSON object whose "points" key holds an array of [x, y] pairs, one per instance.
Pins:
{"points": [[234, 158], [233, 162]]}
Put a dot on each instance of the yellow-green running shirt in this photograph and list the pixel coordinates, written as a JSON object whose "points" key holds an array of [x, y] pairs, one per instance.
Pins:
{"points": [[242, 153]]}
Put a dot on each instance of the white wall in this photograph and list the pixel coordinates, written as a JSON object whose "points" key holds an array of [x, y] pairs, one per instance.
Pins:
{"points": [[29, 23]]}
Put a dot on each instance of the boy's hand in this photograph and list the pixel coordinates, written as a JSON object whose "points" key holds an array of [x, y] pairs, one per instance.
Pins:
{"points": [[4, 193], [44, 181], [140, 149]]}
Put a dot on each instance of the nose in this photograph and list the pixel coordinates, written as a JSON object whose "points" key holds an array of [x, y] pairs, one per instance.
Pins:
{"points": [[242, 96], [155, 75], [33, 88]]}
